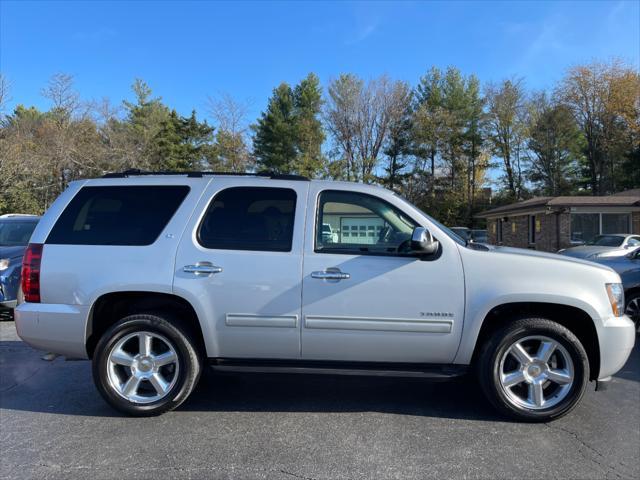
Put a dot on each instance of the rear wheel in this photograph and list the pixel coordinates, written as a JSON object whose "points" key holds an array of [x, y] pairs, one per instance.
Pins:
{"points": [[145, 365], [533, 370]]}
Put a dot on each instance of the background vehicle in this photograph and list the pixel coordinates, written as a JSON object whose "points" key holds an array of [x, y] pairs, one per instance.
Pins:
{"points": [[610, 245], [479, 236], [15, 231], [233, 270], [629, 269], [463, 232]]}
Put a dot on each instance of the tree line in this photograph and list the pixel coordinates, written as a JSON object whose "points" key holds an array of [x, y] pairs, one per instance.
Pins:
{"points": [[434, 142]]}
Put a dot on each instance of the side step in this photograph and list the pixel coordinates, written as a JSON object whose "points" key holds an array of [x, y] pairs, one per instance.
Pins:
{"points": [[375, 369]]}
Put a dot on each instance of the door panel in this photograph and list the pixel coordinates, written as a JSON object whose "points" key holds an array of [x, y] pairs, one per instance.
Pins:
{"points": [[251, 308], [390, 308]]}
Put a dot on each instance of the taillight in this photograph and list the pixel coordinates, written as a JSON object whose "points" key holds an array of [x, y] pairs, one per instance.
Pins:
{"points": [[31, 272]]}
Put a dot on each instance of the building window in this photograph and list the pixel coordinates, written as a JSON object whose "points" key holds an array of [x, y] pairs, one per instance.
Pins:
{"points": [[616, 223], [499, 225], [585, 226], [532, 229]]}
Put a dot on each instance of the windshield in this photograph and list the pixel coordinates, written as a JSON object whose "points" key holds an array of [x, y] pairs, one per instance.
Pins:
{"points": [[16, 233], [446, 230], [479, 236], [607, 241]]}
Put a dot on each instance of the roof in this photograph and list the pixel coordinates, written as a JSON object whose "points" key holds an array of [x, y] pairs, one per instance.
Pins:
{"points": [[515, 207], [625, 199], [628, 193]]}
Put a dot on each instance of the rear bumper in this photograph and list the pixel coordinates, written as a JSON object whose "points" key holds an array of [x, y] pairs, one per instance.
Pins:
{"points": [[8, 304], [616, 337], [55, 328]]}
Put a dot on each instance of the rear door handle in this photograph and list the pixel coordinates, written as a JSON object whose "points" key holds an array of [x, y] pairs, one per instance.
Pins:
{"points": [[331, 274], [202, 268]]}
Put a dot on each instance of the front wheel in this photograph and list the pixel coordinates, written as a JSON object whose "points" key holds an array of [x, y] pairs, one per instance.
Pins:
{"points": [[632, 310], [533, 370], [145, 365]]}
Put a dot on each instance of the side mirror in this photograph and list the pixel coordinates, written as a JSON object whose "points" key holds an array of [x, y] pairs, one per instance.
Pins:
{"points": [[422, 242]]}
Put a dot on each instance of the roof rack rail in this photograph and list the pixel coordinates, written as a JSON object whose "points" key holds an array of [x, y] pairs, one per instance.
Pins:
{"points": [[272, 175]]}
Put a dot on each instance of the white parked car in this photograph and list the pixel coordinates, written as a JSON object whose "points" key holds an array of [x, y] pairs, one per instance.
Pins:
{"points": [[604, 246], [155, 276]]}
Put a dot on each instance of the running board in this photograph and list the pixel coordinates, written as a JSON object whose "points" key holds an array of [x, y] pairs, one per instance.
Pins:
{"points": [[375, 369]]}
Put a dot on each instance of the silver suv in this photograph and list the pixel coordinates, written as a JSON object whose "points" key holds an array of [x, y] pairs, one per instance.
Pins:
{"points": [[155, 276]]}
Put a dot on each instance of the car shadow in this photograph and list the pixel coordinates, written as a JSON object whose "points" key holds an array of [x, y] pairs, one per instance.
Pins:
{"points": [[65, 387]]}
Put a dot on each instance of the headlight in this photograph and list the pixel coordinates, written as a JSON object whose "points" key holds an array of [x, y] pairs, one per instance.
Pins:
{"points": [[616, 298], [4, 264]]}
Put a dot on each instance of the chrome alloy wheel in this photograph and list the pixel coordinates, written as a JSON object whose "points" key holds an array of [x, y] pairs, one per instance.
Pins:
{"points": [[536, 373], [142, 367], [633, 311]]}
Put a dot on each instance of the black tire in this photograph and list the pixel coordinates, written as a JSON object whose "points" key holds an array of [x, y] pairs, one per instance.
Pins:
{"points": [[632, 308], [489, 366], [189, 362]]}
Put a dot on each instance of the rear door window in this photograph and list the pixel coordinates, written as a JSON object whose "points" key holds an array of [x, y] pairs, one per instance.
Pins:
{"points": [[250, 218], [122, 215]]}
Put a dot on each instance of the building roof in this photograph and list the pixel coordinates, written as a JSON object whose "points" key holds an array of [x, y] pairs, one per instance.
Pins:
{"points": [[628, 193], [624, 199]]}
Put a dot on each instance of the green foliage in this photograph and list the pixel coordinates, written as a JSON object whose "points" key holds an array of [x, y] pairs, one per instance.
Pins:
{"points": [[555, 143], [289, 134], [274, 145], [309, 133], [433, 144]]}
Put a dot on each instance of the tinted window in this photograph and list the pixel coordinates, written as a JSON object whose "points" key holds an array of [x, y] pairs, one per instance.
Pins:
{"points": [[250, 218], [608, 241], [15, 233], [133, 215], [634, 242], [360, 223]]}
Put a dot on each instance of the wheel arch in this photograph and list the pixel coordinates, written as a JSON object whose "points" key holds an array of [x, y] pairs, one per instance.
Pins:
{"points": [[111, 307], [578, 321]]}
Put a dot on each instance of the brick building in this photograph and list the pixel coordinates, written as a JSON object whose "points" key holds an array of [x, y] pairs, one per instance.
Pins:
{"points": [[552, 223]]}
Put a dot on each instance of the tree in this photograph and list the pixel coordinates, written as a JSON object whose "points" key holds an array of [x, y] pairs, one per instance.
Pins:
{"points": [[398, 144], [275, 142], [5, 88], [341, 120], [309, 134], [358, 116], [604, 99], [144, 119], [477, 160], [427, 134], [231, 149], [554, 142], [506, 129], [184, 143]]}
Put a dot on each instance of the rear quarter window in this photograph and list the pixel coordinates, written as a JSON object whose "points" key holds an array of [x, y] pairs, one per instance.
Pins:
{"points": [[122, 215]]}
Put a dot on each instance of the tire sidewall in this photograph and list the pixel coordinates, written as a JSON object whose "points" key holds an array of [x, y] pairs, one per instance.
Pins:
{"points": [[181, 344], [537, 327], [633, 296]]}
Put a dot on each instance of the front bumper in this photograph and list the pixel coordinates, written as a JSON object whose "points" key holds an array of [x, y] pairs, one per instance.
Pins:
{"points": [[616, 336], [54, 328]]}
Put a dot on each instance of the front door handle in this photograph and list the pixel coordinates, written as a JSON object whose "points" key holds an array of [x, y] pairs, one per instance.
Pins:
{"points": [[202, 268], [331, 274]]}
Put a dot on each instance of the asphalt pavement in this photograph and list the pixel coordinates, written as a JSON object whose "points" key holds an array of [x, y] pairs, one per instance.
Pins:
{"points": [[54, 424]]}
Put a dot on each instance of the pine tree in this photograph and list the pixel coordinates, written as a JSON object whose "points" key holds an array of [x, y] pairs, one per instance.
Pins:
{"points": [[308, 127], [275, 134]]}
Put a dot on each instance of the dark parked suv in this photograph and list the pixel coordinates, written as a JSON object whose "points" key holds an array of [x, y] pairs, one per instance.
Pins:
{"points": [[15, 231]]}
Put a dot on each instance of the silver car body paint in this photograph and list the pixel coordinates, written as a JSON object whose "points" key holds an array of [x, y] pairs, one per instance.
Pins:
{"points": [[268, 305]]}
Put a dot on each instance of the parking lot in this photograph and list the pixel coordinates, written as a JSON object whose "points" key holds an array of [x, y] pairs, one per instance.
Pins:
{"points": [[53, 424]]}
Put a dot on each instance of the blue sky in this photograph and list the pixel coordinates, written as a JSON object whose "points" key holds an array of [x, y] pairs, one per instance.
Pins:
{"points": [[189, 50]]}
